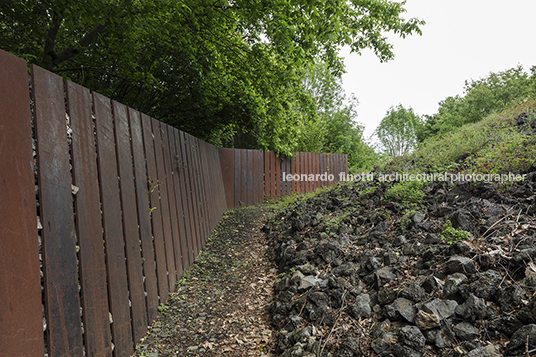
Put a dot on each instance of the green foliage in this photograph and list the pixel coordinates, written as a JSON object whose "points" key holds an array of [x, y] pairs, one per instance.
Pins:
{"points": [[406, 193], [493, 145], [481, 98], [406, 219], [452, 235], [397, 131], [230, 72]]}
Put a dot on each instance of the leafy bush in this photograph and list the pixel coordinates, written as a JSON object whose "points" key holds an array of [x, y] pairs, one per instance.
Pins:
{"points": [[406, 193], [451, 234]]}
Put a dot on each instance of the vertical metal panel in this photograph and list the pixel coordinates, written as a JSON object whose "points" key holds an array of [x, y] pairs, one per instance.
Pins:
{"points": [[21, 325], [97, 337], [309, 170], [249, 173], [130, 221], [196, 192], [156, 208], [284, 171], [170, 164], [303, 170], [164, 189], [182, 245], [317, 167], [297, 171], [140, 173], [278, 175], [266, 173], [192, 197], [228, 174], [238, 177], [260, 156], [113, 230], [62, 303], [201, 184], [205, 162], [186, 207], [189, 196], [293, 171], [243, 176]]}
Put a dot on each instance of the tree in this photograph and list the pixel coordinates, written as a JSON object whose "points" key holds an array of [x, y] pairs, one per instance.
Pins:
{"points": [[227, 71], [397, 131], [334, 128], [481, 98]]}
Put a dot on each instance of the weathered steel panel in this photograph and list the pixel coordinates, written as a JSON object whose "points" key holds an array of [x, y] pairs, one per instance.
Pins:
{"points": [[200, 190], [196, 192], [194, 216], [164, 189], [186, 210], [21, 324], [97, 336], [140, 173], [228, 174], [170, 164], [153, 185], [249, 175], [130, 221], [62, 303], [181, 246], [113, 227]]}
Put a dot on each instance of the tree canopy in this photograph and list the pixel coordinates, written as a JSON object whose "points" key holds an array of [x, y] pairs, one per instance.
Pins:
{"points": [[230, 72]]}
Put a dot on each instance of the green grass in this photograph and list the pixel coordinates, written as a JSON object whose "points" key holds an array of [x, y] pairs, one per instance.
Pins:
{"points": [[494, 145]]}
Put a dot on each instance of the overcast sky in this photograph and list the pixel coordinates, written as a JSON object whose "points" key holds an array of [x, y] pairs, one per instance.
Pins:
{"points": [[462, 40]]}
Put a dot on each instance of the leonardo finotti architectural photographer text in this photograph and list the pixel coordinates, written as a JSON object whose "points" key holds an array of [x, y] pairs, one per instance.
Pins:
{"points": [[397, 177]]}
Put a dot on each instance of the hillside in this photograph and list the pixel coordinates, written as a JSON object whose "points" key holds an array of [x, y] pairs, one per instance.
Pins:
{"points": [[413, 268]]}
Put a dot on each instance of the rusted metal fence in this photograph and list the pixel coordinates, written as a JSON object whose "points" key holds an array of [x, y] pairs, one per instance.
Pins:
{"points": [[124, 205], [251, 176]]}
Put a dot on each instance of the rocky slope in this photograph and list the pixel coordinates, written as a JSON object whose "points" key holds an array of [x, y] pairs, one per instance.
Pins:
{"points": [[451, 274]]}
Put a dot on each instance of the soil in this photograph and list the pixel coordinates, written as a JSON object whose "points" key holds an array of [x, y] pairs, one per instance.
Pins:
{"points": [[221, 306]]}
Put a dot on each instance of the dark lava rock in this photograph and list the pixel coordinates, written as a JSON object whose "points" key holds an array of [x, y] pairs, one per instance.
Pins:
{"points": [[462, 220], [474, 308], [410, 342], [461, 265], [506, 325], [426, 320], [361, 307], [383, 276], [429, 284], [445, 337], [414, 292], [350, 347], [442, 308], [405, 308], [487, 351], [519, 340], [510, 297], [486, 285], [328, 251], [466, 331], [383, 343], [452, 287]]}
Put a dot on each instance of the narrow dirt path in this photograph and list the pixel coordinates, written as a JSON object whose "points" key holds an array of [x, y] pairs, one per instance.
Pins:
{"points": [[221, 307]]}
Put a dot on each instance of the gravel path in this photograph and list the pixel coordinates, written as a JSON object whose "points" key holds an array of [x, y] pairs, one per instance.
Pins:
{"points": [[221, 307]]}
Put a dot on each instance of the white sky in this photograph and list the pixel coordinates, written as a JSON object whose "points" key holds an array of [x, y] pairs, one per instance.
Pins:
{"points": [[462, 40]]}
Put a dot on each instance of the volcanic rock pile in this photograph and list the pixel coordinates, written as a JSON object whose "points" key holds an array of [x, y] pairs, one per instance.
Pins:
{"points": [[360, 275]]}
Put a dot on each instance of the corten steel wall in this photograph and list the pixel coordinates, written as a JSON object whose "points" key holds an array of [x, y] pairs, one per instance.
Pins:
{"points": [[125, 204], [251, 176], [102, 210]]}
